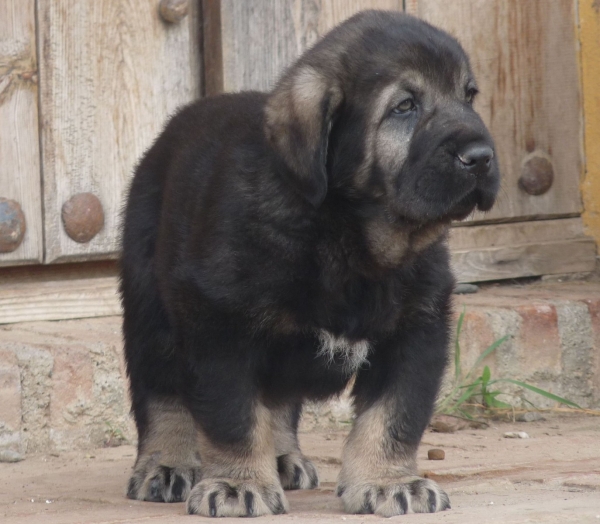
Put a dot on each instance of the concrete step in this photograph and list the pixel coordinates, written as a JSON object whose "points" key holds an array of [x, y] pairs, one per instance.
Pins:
{"points": [[62, 383]]}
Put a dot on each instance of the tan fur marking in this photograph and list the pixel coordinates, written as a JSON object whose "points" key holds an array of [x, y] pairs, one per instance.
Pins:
{"points": [[425, 236], [297, 103], [379, 475], [377, 111], [285, 438], [295, 470], [386, 149], [390, 243], [171, 432], [230, 475], [171, 442], [367, 452], [258, 461]]}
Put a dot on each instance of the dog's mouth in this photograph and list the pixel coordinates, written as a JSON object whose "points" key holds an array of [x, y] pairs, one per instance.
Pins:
{"points": [[476, 199]]}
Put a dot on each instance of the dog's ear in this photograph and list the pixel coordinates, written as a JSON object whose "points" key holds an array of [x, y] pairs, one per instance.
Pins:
{"points": [[298, 118]]}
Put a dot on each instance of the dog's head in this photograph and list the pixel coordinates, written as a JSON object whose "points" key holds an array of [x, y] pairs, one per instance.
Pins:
{"points": [[381, 112]]}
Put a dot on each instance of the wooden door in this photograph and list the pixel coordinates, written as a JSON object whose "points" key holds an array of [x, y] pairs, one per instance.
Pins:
{"points": [[20, 188], [110, 74], [524, 54], [248, 44]]}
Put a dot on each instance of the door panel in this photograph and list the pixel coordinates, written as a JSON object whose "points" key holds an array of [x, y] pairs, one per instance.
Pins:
{"points": [[20, 188], [256, 40], [110, 74]]}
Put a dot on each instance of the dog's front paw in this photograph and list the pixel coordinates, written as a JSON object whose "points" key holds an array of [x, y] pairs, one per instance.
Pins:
{"points": [[221, 497], [156, 482], [297, 472], [390, 497]]}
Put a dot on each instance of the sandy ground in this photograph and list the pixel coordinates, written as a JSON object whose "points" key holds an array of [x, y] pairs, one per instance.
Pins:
{"points": [[552, 477]]}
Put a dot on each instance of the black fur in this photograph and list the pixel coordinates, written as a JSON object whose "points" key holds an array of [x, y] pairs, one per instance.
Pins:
{"points": [[233, 260]]}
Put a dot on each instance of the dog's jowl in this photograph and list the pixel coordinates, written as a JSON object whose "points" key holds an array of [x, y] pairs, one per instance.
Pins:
{"points": [[276, 245]]}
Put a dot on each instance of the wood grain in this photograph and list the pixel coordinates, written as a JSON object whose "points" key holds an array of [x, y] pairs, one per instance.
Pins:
{"points": [[524, 55], [59, 300], [110, 72], [496, 252], [475, 237], [259, 39], [526, 260], [19, 139]]}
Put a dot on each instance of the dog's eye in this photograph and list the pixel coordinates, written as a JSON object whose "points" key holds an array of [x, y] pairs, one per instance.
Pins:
{"points": [[471, 93], [404, 107]]}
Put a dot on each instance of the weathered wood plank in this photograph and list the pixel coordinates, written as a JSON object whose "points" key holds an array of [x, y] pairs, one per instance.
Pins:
{"points": [[476, 237], [524, 55], [111, 73], [259, 39], [19, 140], [524, 249], [59, 300], [524, 260]]}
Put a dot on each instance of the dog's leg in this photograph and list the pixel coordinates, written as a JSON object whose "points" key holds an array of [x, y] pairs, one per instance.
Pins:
{"points": [[168, 462], [394, 400], [295, 470], [240, 477]]}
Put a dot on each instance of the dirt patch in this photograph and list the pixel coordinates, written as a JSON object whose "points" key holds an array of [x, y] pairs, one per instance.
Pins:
{"points": [[552, 477]]}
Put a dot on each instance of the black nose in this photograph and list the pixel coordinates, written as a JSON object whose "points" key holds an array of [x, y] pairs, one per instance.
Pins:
{"points": [[476, 158]]}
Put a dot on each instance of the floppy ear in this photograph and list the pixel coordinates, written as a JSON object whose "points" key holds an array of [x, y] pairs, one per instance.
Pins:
{"points": [[298, 117]]}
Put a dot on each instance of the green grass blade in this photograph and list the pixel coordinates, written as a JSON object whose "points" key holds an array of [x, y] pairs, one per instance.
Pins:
{"points": [[457, 366], [465, 396], [542, 392], [477, 382], [487, 374], [465, 414], [489, 350], [441, 406]]}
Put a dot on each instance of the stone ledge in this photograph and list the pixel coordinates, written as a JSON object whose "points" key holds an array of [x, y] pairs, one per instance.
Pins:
{"points": [[62, 384]]}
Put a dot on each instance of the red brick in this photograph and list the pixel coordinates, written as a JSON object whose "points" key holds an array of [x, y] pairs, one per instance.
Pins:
{"points": [[539, 340], [476, 335], [594, 309], [72, 386]]}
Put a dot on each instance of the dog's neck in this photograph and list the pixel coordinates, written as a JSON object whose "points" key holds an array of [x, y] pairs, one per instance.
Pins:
{"points": [[391, 244], [369, 242]]}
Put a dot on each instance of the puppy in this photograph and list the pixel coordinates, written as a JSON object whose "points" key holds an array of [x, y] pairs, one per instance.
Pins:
{"points": [[276, 245]]}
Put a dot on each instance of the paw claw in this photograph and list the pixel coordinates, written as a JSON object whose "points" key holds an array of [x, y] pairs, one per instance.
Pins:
{"points": [[431, 501], [402, 503], [177, 489], [297, 472], [153, 482], [249, 500], [212, 504], [279, 506], [389, 497], [235, 498], [156, 485]]}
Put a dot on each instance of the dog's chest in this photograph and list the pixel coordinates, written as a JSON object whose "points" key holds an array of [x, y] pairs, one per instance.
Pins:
{"points": [[338, 350]]}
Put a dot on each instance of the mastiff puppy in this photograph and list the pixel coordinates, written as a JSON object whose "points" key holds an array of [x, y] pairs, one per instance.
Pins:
{"points": [[276, 245]]}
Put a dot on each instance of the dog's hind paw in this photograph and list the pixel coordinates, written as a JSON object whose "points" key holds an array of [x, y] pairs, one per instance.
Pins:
{"points": [[297, 472], [394, 497], [158, 483], [220, 497]]}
